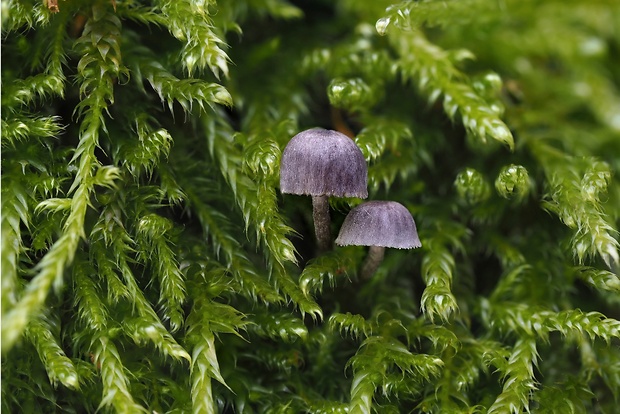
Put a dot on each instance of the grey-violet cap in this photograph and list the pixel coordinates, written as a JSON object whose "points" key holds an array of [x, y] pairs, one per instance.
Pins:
{"points": [[379, 223], [323, 162]]}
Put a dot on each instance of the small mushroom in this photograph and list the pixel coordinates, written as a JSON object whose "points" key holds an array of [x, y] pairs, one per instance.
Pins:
{"points": [[378, 224], [323, 163]]}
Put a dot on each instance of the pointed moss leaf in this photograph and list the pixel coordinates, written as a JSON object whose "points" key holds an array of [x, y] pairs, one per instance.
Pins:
{"points": [[204, 367], [152, 144], [204, 358], [599, 279], [382, 25], [159, 254], [284, 326], [440, 336], [144, 331], [375, 357], [15, 213], [31, 89], [540, 322], [410, 15], [106, 176], [438, 301], [330, 267], [354, 325], [305, 304], [187, 92], [90, 307], [55, 204], [593, 324]]}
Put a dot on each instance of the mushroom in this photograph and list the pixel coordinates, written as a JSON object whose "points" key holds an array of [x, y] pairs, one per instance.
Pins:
{"points": [[378, 224], [323, 163]]}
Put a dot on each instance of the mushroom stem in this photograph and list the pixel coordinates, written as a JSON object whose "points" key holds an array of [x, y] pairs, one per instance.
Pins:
{"points": [[320, 215], [372, 262]]}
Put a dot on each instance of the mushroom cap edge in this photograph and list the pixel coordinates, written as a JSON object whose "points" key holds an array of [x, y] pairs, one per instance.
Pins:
{"points": [[379, 223]]}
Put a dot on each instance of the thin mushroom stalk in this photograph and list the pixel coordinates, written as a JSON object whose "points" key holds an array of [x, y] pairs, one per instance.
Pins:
{"points": [[320, 216], [372, 262]]}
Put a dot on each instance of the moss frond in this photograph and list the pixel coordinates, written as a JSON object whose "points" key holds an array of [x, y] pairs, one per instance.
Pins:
{"points": [[217, 228], [116, 382], [91, 309], [153, 144], [526, 320], [599, 279], [579, 184], [436, 74], [408, 15], [268, 226], [156, 250], [277, 326], [44, 333], [330, 267], [15, 212], [98, 87], [437, 272], [186, 92], [354, 325], [22, 128], [206, 318], [112, 250], [519, 382], [291, 289], [23, 92], [190, 23], [376, 358], [381, 135]]}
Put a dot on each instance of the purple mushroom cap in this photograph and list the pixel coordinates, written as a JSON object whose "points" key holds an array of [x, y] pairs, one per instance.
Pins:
{"points": [[379, 223], [322, 162]]}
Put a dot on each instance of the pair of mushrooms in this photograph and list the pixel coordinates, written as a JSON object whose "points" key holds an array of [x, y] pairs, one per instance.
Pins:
{"points": [[324, 163]]}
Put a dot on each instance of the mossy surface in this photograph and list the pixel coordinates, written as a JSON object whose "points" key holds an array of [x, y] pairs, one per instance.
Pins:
{"points": [[150, 262]]}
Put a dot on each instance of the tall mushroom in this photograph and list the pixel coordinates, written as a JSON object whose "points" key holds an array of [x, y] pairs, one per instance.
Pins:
{"points": [[323, 163], [378, 224]]}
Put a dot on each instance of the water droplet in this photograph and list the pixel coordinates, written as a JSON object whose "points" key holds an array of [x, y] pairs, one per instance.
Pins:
{"points": [[382, 25]]}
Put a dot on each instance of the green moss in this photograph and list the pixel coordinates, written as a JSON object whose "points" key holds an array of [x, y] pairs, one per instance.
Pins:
{"points": [[150, 262]]}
